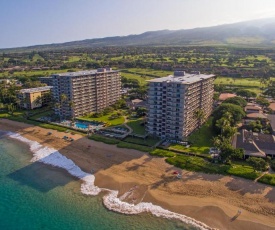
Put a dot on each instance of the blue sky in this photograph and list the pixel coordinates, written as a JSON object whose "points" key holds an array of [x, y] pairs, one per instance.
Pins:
{"points": [[32, 22]]}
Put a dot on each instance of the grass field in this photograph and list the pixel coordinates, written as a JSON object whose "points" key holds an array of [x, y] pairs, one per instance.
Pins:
{"points": [[30, 73], [201, 140], [112, 122], [141, 78], [149, 141], [135, 125]]}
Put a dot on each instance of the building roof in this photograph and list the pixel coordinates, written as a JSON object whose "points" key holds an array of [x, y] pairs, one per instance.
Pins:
{"points": [[256, 115], [271, 118], [224, 96], [86, 72], [183, 78], [272, 106], [253, 107], [38, 89], [136, 101], [255, 144]]}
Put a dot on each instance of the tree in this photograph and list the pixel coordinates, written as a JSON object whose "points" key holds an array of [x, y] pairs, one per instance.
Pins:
{"points": [[224, 110], [245, 93], [38, 101], [11, 108], [237, 154], [270, 92], [199, 115], [236, 101], [258, 164], [263, 102]]}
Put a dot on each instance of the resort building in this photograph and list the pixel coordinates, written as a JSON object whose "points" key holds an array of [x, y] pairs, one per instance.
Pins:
{"points": [[173, 102], [34, 97], [83, 92]]}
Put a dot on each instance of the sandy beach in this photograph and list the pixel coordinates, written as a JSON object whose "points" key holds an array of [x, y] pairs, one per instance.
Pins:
{"points": [[212, 199]]}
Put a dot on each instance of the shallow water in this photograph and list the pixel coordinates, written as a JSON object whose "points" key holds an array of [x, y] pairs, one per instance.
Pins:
{"points": [[39, 196]]}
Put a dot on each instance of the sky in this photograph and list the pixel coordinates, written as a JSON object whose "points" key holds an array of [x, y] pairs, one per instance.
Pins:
{"points": [[34, 22]]}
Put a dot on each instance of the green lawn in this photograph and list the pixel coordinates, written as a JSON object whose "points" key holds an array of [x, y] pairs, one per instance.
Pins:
{"points": [[238, 81], [117, 121], [201, 140], [135, 125], [149, 141], [35, 73], [141, 78], [150, 72], [268, 179]]}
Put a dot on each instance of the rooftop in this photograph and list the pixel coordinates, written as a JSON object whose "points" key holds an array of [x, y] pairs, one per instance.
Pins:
{"points": [[182, 77], [38, 89], [224, 96], [272, 106], [86, 72]]}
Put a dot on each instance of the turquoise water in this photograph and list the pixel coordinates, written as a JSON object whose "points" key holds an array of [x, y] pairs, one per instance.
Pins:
{"points": [[38, 196], [81, 125]]}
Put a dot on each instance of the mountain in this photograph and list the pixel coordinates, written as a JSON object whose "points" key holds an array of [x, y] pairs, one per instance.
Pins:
{"points": [[258, 33]]}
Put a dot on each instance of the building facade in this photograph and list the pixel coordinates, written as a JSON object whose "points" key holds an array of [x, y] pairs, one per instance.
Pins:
{"points": [[83, 92], [46, 80], [34, 97], [173, 102]]}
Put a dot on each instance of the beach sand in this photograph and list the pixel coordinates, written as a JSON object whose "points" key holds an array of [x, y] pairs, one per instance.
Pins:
{"points": [[211, 199]]}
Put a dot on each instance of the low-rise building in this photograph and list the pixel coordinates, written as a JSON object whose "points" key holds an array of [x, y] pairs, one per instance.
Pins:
{"points": [[255, 144], [34, 97]]}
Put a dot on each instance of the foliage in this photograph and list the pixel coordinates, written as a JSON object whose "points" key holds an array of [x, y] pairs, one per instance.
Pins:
{"points": [[137, 126], [257, 163], [236, 101], [262, 101], [270, 92], [133, 146], [11, 108], [268, 179], [141, 111], [104, 139], [245, 93], [162, 153], [236, 112], [272, 164]]}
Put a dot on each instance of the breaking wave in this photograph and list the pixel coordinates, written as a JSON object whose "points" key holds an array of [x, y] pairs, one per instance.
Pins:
{"points": [[111, 201]]}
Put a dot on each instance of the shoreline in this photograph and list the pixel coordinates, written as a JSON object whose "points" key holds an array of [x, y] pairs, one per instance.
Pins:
{"points": [[211, 199]]}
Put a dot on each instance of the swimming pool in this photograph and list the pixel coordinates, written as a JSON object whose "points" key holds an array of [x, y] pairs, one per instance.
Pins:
{"points": [[81, 125]]}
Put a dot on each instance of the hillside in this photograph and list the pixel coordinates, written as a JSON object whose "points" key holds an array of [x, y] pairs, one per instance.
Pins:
{"points": [[250, 33]]}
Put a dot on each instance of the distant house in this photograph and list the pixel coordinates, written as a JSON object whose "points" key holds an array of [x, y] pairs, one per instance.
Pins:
{"points": [[136, 103], [252, 108], [255, 144], [224, 96], [272, 107], [271, 118]]}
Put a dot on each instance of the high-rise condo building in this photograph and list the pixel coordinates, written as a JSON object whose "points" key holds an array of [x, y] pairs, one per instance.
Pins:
{"points": [[179, 103], [79, 93]]}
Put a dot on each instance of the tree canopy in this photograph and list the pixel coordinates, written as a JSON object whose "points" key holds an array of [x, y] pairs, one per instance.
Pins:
{"points": [[236, 111], [245, 93], [236, 101]]}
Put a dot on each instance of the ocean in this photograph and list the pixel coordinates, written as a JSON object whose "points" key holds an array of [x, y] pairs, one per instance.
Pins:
{"points": [[35, 195]]}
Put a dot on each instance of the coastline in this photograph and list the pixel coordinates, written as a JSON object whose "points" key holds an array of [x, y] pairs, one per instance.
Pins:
{"points": [[211, 199]]}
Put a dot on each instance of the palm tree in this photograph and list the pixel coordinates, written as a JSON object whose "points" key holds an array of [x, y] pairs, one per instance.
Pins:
{"points": [[199, 115]]}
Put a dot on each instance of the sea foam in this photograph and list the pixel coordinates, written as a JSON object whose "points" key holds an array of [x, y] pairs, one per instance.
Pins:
{"points": [[111, 201]]}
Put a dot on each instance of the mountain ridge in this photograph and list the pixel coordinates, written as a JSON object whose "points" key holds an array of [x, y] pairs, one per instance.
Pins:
{"points": [[259, 32]]}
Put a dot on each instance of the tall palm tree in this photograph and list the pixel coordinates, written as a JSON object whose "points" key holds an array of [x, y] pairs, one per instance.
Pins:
{"points": [[199, 115]]}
